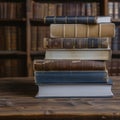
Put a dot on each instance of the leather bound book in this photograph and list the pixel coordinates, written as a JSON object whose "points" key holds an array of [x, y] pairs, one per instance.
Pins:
{"points": [[77, 43], [65, 65], [82, 30], [77, 19]]}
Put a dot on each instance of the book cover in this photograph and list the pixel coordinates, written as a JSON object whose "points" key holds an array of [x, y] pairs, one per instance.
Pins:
{"points": [[68, 65], [76, 43], [77, 19], [70, 77], [82, 30], [75, 90], [83, 54]]}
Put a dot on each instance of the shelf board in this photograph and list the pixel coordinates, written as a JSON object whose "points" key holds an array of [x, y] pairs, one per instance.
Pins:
{"points": [[36, 53], [13, 20], [115, 20], [117, 52], [4, 53], [17, 78], [38, 21]]}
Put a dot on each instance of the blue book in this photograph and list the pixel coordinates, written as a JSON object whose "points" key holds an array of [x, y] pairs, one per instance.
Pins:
{"points": [[70, 77]]}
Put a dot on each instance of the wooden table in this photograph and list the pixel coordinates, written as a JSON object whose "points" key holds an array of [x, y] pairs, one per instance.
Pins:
{"points": [[17, 102]]}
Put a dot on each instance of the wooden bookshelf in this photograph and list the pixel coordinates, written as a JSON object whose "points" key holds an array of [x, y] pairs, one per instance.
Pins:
{"points": [[25, 15]]}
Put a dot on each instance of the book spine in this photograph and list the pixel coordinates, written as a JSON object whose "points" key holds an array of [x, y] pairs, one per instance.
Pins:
{"points": [[63, 65], [83, 54], [34, 38], [82, 30], [116, 10], [77, 43], [70, 77], [70, 19], [13, 38], [110, 9]]}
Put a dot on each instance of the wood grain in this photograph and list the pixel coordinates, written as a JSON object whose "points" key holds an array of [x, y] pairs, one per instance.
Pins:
{"points": [[17, 101]]}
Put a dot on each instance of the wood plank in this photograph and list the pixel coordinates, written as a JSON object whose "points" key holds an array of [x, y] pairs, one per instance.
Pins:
{"points": [[17, 101]]}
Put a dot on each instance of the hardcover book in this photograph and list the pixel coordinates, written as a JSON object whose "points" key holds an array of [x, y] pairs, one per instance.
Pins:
{"points": [[82, 30], [76, 43], [68, 65], [75, 90], [83, 54], [77, 19], [70, 77]]}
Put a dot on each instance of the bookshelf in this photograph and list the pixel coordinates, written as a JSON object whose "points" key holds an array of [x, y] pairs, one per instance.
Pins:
{"points": [[21, 30]]}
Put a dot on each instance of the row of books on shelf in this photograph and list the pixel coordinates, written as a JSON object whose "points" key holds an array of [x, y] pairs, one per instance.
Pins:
{"points": [[39, 10], [12, 10], [12, 67], [114, 9], [12, 38]]}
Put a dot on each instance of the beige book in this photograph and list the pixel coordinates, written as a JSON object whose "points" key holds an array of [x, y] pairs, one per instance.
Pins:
{"points": [[82, 30]]}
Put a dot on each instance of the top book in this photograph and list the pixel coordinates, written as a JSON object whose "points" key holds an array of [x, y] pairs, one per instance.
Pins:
{"points": [[76, 19]]}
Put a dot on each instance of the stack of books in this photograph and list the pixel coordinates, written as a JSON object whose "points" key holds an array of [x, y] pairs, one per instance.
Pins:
{"points": [[75, 59]]}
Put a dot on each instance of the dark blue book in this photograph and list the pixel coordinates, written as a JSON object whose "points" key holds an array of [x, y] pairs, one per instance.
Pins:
{"points": [[77, 19], [70, 77]]}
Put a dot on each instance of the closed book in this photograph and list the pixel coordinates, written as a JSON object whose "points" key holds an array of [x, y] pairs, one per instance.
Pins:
{"points": [[70, 77], [77, 19], [82, 30], [77, 43], [75, 90], [83, 54], [65, 65]]}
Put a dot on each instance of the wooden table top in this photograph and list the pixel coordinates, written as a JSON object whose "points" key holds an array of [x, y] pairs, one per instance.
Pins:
{"points": [[17, 101]]}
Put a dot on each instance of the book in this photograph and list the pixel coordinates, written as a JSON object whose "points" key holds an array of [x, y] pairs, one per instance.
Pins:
{"points": [[75, 90], [77, 19], [76, 43], [83, 54], [82, 30], [68, 65], [70, 77]]}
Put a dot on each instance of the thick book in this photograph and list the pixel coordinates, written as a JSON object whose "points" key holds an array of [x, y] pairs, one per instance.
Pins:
{"points": [[68, 65], [77, 43], [75, 90], [83, 54], [82, 30], [70, 77], [77, 19]]}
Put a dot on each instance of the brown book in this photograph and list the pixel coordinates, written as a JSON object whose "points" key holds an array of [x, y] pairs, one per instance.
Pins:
{"points": [[82, 30], [59, 8], [77, 43], [33, 38], [2, 40], [13, 38], [52, 9], [7, 37], [65, 65], [42, 32], [8, 67]]}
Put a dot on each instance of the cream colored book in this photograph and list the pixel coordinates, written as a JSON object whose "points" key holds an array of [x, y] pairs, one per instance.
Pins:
{"points": [[83, 54]]}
